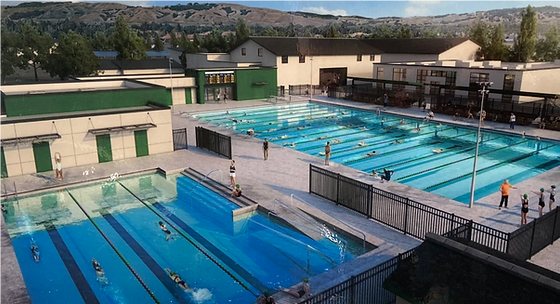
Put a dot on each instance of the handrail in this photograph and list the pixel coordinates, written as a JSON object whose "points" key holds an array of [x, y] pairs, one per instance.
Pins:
{"points": [[115, 249], [189, 240], [16, 194], [203, 179], [345, 224], [297, 241]]}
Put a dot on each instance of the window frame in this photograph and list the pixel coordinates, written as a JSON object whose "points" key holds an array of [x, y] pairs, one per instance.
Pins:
{"points": [[260, 52], [359, 57], [284, 59], [301, 58], [243, 51]]}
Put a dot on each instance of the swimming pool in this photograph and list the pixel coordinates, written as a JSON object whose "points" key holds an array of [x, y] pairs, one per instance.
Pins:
{"points": [[223, 258], [405, 145]]}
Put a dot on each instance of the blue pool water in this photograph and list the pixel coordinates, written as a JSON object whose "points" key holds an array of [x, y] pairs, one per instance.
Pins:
{"points": [[222, 258], [354, 133]]}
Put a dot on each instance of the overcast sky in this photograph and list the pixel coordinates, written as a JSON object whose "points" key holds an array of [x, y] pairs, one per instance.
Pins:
{"points": [[372, 9]]}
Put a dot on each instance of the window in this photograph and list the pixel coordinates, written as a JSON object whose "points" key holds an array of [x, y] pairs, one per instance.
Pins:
{"points": [[284, 59], [371, 57], [509, 82], [260, 52], [301, 58], [473, 83], [399, 75], [359, 58], [243, 51], [380, 76]]}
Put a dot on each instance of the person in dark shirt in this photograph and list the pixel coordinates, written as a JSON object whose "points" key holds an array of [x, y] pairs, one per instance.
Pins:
{"points": [[237, 191], [386, 176], [265, 149]]}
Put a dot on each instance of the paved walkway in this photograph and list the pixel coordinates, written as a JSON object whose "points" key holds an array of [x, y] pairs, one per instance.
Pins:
{"points": [[286, 173]]}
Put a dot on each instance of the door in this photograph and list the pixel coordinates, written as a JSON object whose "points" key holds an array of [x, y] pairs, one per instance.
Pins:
{"points": [[104, 151], [141, 140], [4, 170], [42, 155]]}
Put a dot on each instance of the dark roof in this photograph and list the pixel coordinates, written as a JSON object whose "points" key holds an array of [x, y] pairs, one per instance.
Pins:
{"points": [[294, 46], [446, 271], [114, 64], [415, 45], [113, 54]]}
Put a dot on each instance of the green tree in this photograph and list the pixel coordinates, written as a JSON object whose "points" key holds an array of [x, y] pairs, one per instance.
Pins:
{"points": [[333, 32], [9, 53], [496, 49], [100, 42], [127, 43], [173, 39], [524, 45], [241, 31], [547, 48], [73, 56], [33, 48], [479, 34], [270, 32], [158, 44], [197, 43], [404, 32]]}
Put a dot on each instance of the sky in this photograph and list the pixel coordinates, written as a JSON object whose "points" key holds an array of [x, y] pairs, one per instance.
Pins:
{"points": [[372, 9]]}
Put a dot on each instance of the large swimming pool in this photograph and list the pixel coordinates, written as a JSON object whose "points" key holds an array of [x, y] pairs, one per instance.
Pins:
{"points": [[407, 146], [222, 257]]}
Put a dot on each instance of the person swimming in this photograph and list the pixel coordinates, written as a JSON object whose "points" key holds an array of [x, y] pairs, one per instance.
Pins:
{"points": [[177, 279], [35, 253], [437, 150], [4, 209], [250, 132], [97, 267], [370, 154], [361, 144], [164, 229]]}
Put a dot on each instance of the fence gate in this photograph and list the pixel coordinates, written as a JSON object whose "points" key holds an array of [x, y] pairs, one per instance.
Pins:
{"points": [[180, 139], [213, 141]]}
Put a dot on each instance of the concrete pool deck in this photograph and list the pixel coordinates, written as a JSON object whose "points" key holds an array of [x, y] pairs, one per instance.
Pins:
{"points": [[286, 173]]}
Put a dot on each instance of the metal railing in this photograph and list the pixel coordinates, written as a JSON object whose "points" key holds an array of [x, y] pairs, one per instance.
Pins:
{"points": [[535, 236], [213, 141], [180, 139]]}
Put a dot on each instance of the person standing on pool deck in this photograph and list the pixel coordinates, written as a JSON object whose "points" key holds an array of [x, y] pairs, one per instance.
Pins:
{"points": [[524, 208], [551, 200], [232, 173], [58, 160], [540, 194], [512, 121], [385, 101], [327, 153], [265, 149], [504, 188]]}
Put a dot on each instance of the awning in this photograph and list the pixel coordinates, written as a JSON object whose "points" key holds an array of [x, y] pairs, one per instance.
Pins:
{"points": [[121, 128], [33, 138]]}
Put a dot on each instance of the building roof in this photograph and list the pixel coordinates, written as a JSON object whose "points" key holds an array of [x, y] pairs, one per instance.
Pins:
{"points": [[113, 54], [446, 271], [294, 46], [143, 64]]}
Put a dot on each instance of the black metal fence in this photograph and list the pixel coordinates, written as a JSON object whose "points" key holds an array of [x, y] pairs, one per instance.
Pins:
{"points": [[408, 216], [213, 141], [535, 236], [180, 139], [364, 288]]}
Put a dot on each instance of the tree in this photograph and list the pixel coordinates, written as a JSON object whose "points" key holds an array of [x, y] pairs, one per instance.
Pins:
{"points": [[404, 32], [479, 34], [241, 31], [197, 43], [127, 43], [100, 42], [547, 48], [73, 56], [525, 43], [9, 53], [496, 49], [173, 39], [33, 48], [158, 44]]}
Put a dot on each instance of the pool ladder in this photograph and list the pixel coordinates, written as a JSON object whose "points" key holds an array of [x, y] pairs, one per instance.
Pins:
{"points": [[14, 194]]}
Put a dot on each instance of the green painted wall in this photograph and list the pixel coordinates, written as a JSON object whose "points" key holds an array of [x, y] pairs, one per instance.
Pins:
{"points": [[255, 84], [200, 81], [188, 95], [42, 155], [141, 141], [104, 151], [83, 101], [3, 165]]}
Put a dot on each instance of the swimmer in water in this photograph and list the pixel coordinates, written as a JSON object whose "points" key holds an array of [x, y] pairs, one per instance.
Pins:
{"points": [[437, 150], [362, 144], [301, 128], [370, 154], [164, 229], [97, 267], [402, 122], [35, 251], [284, 136], [250, 132], [416, 130], [177, 279]]}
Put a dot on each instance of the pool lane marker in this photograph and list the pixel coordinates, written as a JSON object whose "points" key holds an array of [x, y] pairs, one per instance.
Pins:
{"points": [[227, 260], [73, 269], [116, 250]]}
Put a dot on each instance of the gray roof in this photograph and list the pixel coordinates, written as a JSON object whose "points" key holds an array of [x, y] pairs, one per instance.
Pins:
{"points": [[294, 46], [114, 64]]}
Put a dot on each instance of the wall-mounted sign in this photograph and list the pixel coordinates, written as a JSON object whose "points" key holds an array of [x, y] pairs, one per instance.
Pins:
{"points": [[219, 77]]}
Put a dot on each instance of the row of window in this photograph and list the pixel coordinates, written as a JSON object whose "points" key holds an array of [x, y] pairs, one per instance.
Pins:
{"points": [[301, 57]]}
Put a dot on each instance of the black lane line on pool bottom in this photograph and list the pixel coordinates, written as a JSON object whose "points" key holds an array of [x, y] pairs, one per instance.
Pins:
{"points": [[73, 269], [249, 278], [175, 290]]}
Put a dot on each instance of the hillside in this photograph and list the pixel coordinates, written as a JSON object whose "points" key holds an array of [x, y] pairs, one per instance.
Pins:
{"points": [[212, 14]]}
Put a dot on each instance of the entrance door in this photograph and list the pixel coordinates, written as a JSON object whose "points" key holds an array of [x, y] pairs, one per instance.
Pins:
{"points": [[42, 155], [141, 140], [4, 170], [104, 151]]}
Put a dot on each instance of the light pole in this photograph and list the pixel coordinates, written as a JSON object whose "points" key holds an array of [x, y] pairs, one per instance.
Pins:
{"points": [[484, 90], [311, 89]]}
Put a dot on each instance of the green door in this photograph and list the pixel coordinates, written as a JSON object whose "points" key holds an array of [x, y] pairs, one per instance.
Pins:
{"points": [[3, 165], [104, 152], [42, 154], [141, 140]]}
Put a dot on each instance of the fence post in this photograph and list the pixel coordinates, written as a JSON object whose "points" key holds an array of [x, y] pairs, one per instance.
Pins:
{"points": [[508, 242], [310, 176], [406, 215], [469, 232], [353, 286], [229, 143], [196, 136], [532, 239], [452, 221], [370, 201], [554, 226], [337, 188]]}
